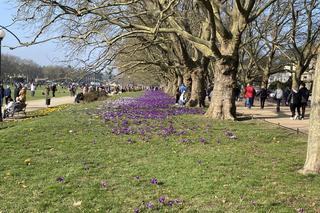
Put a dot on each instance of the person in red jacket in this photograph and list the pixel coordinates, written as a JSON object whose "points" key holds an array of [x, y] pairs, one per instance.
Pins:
{"points": [[249, 93]]}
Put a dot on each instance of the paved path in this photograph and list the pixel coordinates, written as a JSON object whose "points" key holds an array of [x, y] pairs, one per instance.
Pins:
{"points": [[269, 114], [40, 104]]}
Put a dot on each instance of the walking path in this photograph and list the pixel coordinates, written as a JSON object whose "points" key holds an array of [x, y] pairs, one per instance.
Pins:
{"points": [[40, 104], [269, 114]]}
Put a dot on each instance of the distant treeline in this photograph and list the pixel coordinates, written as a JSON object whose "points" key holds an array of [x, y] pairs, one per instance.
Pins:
{"points": [[15, 66]]}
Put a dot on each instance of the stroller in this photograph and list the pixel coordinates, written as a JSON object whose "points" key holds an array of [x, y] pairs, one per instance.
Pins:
{"points": [[17, 107]]}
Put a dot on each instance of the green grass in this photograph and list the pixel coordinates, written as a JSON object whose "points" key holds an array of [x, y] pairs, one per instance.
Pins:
{"points": [[38, 94], [255, 173]]}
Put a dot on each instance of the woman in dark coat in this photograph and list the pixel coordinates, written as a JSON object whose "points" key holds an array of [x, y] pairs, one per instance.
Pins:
{"points": [[294, 100]]}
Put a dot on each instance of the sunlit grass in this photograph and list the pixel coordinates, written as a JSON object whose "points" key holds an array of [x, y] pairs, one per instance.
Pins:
{"points": [[69, 161]]}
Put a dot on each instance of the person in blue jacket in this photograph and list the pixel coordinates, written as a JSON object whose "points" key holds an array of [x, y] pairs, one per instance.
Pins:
{"points": [[7, 94], [182, 88]]}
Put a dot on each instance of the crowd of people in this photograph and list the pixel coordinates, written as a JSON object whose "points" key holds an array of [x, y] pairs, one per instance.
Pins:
{"points": [[13, 100], [296, 99]]}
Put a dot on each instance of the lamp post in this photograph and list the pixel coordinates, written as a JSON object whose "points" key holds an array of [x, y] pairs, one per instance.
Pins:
{"points": [[2, 35]]}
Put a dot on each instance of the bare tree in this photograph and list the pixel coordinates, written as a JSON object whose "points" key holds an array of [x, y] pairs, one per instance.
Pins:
{"points": [[304, 41], [98, 24], [262, 41], [312, 164], [226, 22]]}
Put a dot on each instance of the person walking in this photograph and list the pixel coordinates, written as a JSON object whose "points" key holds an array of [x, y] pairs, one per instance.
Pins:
{"points": [[17, 88], [249, 93], [294, 100], [278, 96], [54, 89], [7, 94], [1, 94], [237, 93], [209, 92], [182, 90], [263, 93], [85, 89], [33, 89], [47, 95], [304, 95]]}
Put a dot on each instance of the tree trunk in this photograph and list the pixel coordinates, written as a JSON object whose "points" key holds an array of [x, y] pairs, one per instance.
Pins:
{"points": [[171, 87], [222, 104], [296, 78], [265, 79], [312, 164], [198, 88], [180, 79]]}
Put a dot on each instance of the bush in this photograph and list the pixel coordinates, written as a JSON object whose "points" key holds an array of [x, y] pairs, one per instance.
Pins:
{"points": [[91, 96], [94, 96]]}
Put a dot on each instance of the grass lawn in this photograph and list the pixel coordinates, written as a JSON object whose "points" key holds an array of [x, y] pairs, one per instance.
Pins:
{"points": [[38, 94], [69, 161]]}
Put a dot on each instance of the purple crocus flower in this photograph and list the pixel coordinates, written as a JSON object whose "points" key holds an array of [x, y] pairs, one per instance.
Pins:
{"points": [[126, 113], [154, 181], [149, 205], [136, 210], [185, 140], [161, 199], [170, 203], [202, 140]]}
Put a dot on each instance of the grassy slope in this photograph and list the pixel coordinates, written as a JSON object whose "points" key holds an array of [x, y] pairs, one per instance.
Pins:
{"points": [[256, 173]]}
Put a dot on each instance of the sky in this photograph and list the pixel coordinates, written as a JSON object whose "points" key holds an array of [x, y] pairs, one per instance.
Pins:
{"points": [[43, 54]]}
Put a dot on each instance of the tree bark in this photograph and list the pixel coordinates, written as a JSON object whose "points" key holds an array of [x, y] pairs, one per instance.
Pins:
{"points": [[222, 104], [265, 79], [312, 164], [198, 88], [171, 87], [180, 79], [296, 77]]}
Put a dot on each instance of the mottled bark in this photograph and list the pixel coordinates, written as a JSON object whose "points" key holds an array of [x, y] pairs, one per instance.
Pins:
{"points": [[197, 95], [312, 164], [222, 105], [180, 79], [171, 87], [188, 83], [296, 79], [265, 79]]}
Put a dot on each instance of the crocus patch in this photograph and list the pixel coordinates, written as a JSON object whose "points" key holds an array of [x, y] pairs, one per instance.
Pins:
{"points": [[146, 116]]}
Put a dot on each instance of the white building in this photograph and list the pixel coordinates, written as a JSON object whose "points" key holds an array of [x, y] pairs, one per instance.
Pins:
{"points": [[280, 76]]}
